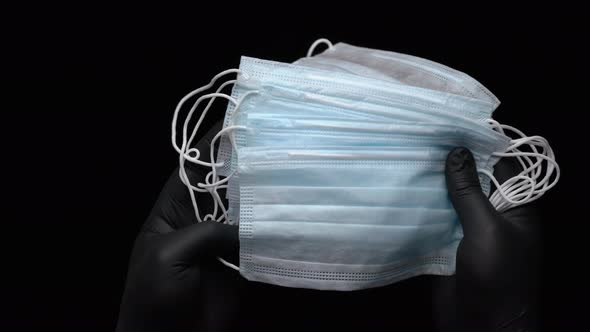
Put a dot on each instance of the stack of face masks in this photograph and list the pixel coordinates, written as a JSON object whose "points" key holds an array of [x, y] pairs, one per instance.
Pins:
{"points": [[334, 165]]}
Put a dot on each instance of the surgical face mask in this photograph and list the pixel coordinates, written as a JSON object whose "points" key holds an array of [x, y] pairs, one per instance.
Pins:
{"points": [[381, 65], [390, 99], [335, 187], [284, 89], [284, 79]]}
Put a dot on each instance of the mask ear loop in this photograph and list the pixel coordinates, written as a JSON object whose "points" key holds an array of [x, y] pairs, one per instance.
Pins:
{"points": [[191, 94], [533, 142], [211, 101], [195, 159], [182, 170], [228, 264], [187, 155], [528, 185], [318, 42], [212, 187], [213, 174], [184, 151]]}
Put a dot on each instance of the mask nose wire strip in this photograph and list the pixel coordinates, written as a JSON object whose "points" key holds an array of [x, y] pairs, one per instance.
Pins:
{"points": [[530, 184], [316, 43]]}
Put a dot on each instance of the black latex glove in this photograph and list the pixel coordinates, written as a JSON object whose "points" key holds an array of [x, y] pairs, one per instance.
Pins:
{"points": [[175, 282], [497, 261]]}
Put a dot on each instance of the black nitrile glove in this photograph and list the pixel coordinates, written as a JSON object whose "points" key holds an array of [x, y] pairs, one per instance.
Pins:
{"points": [[494, 288], [175, 282]]}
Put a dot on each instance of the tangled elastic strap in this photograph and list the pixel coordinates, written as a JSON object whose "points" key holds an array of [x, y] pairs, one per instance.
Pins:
{"points": [[530, 184], [212, 181]]}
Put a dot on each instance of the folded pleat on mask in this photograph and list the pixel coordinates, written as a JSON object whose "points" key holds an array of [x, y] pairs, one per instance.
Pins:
{"points": [[485, 139], [349, 243], [402, 155], [287, 92], [358, 114], [290, 109], [286, 78], [359, 195]]}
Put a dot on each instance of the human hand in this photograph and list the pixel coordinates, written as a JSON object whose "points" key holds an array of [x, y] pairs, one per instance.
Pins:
{"points": [[494, 288], [175, 282]]}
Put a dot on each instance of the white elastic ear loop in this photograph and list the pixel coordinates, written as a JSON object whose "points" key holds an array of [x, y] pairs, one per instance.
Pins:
{"points": [[535, 189], [191, 94], [529, 192], [228, 264], [212, 180], [211, 101], [523, 157], [182, 154], [216, 184], [526, 186], [184, 151], [530, 169], [182, 170], [185, 141], [504, 192], [195, 159], [213, 185], [316, 43]]}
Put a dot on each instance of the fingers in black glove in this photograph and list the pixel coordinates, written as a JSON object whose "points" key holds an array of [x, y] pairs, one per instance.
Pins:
{"points": [[475, 211], [206, 239], [497, 260], [175, 282]]}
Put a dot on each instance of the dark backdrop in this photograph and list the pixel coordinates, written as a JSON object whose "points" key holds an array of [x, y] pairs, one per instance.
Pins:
{"points": [[91, 93]]}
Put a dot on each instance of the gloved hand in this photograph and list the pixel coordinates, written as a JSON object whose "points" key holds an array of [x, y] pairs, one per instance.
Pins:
{"points": [[494, 288], [175, 282]]}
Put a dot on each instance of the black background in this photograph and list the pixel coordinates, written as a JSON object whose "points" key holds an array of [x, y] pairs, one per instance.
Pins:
{"points": [[89, 98]]}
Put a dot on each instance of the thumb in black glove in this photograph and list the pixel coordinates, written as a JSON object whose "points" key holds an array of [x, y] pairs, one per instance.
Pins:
{"points": [[494, 288]]}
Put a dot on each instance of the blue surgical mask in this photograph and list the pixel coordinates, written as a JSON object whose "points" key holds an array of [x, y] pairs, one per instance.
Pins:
{"points": [[294, 191], [368, 99], [291, 81], [334, 169], [283, 90]]}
